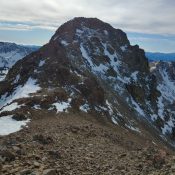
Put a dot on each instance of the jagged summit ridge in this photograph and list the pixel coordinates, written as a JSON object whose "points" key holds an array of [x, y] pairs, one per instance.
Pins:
{"points": [[79, 31], [78, 24]]}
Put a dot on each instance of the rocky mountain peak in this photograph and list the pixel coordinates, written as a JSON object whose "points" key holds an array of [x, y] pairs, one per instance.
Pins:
{"points": [[99, 39], [89, 66], [85, 26]]}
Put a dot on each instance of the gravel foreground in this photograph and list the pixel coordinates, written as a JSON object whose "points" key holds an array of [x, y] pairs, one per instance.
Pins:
{"points": [[80, 144]]}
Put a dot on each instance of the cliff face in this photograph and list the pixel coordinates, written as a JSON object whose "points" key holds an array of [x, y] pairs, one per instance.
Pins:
{"points": [[165, 75], [89, 66]]}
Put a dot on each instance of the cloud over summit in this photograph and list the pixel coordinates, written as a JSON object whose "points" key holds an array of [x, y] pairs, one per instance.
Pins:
{"points": [[151, 16]]}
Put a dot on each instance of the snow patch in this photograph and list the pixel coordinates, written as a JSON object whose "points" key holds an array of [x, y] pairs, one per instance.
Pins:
{"points": [[116, 64], [79, 75], [64, 43], [137, 107], [20, 92], [78, 31], [55, 38], [85, 55], [62, 106], [106, 32], [9, 125], [109, 107], [125, 80], [114, 121], [168, 126], [160, 107], [134, 75], [101, 68], [133, 128], [85, 108], [41, 63], [11, 107], [17, 79], [166, 129], [152, 68], [124, 48], [154, 117], [36, 107], [167, 88], [113, 58], [87, 31]]}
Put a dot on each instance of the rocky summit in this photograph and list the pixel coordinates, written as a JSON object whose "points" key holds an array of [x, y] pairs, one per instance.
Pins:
{"points": [[92, 105]]}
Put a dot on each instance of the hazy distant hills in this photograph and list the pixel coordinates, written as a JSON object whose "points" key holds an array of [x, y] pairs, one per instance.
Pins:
{"points": [[160, 56]]}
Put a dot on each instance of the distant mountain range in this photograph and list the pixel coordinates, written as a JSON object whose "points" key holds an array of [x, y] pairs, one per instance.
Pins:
{"points": [[160, 56], [10, 53]]}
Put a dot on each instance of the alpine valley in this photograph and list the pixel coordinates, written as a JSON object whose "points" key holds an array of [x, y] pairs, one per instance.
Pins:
{"points": [[92, 103]]}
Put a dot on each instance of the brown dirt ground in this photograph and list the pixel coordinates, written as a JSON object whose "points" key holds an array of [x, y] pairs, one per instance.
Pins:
{"points": [[78, 144]]}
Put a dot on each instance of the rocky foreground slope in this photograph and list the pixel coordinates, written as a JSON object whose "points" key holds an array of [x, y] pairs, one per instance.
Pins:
{"points": [[60, 144], [88, 68]]}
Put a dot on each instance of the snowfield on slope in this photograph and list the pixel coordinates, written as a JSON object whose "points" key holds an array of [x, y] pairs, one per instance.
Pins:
{"points": [[11, 107], [9, 125], [20, 92]]}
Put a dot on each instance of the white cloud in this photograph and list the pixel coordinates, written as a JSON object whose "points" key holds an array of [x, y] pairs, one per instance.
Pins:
{"points": [[151, 16], [24, 27]]}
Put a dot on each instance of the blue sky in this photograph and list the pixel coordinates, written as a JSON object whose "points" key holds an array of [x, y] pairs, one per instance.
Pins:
{"points": [[149, 24], [153, 42]]}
